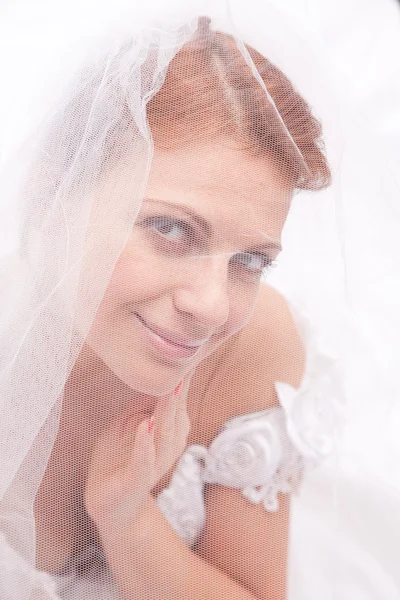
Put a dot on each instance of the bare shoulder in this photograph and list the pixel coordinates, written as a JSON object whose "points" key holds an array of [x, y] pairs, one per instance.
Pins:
{"points": [[242, 373], [270, 343]]}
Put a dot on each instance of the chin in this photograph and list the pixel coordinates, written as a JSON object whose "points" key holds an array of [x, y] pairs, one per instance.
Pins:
{"points": [[151, 380], [154, 388]]}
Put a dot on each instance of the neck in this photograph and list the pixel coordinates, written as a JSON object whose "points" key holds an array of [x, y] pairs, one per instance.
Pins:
{"points": [[94, 396]]}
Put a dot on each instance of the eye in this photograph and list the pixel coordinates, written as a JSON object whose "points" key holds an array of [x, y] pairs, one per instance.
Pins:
{"points": [[253, 261], [171, 229], [172, 235]]}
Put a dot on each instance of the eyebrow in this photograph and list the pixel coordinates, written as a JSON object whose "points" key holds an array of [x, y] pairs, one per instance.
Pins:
{"points": [[205, 225]]}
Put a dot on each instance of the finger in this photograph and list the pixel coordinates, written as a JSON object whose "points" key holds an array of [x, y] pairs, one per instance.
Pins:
{"points": [[173, 435], [143, 462], [138, 476], [164, 419], [182, 425], [165, 450], [162, 413]]}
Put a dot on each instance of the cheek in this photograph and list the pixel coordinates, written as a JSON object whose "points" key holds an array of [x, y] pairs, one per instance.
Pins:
{"points": [[139, 273]]}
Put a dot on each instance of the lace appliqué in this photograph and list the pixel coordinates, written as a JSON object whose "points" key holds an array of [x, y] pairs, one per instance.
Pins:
{"points": [[252, 453], [315, 412], [183, 502]]}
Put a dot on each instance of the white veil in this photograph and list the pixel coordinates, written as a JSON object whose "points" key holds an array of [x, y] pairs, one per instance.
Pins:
{"points": [[59, 245]]}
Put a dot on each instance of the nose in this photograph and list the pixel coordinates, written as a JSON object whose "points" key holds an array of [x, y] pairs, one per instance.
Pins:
{"points": [[203, 293]]}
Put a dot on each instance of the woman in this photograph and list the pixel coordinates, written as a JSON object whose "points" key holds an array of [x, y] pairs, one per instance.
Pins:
{"points": [[175, 310], [182, 330]]}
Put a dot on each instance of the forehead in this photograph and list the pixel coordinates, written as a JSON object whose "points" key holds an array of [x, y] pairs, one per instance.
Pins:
{"points": [[223, 184]]}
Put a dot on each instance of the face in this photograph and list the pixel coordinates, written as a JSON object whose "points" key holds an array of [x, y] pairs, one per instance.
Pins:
{"points": [[187, 280]]}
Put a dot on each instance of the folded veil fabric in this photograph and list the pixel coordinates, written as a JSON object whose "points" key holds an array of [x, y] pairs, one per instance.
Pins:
{"points": [[71, 196]]}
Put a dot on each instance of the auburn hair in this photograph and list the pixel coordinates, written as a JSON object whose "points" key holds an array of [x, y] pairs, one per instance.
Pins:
{"points": [[210, 90]]}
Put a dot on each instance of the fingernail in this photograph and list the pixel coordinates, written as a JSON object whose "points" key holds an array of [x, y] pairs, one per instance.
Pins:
{"points": [[178, 388], [151, 424]]}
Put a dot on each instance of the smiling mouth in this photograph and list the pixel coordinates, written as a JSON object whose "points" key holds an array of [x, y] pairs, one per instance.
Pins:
{"points": [[170, 343]]}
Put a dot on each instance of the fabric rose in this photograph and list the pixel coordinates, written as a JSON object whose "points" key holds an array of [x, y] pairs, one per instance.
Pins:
{"points": [[315, 411]]}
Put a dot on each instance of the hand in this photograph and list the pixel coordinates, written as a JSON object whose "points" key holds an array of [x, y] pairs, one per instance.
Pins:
{"points": [[131, 456]]}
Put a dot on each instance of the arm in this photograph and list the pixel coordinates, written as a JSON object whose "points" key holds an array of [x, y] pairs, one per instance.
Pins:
{"points": [[156, 564], [247, 542], [253, 547]]}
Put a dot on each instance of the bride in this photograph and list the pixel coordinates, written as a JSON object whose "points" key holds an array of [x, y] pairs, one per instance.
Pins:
{"points": [[157, 451], [185, 304]]}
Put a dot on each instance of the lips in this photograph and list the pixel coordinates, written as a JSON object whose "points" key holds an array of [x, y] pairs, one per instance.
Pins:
{"points": [[171, 343]]}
